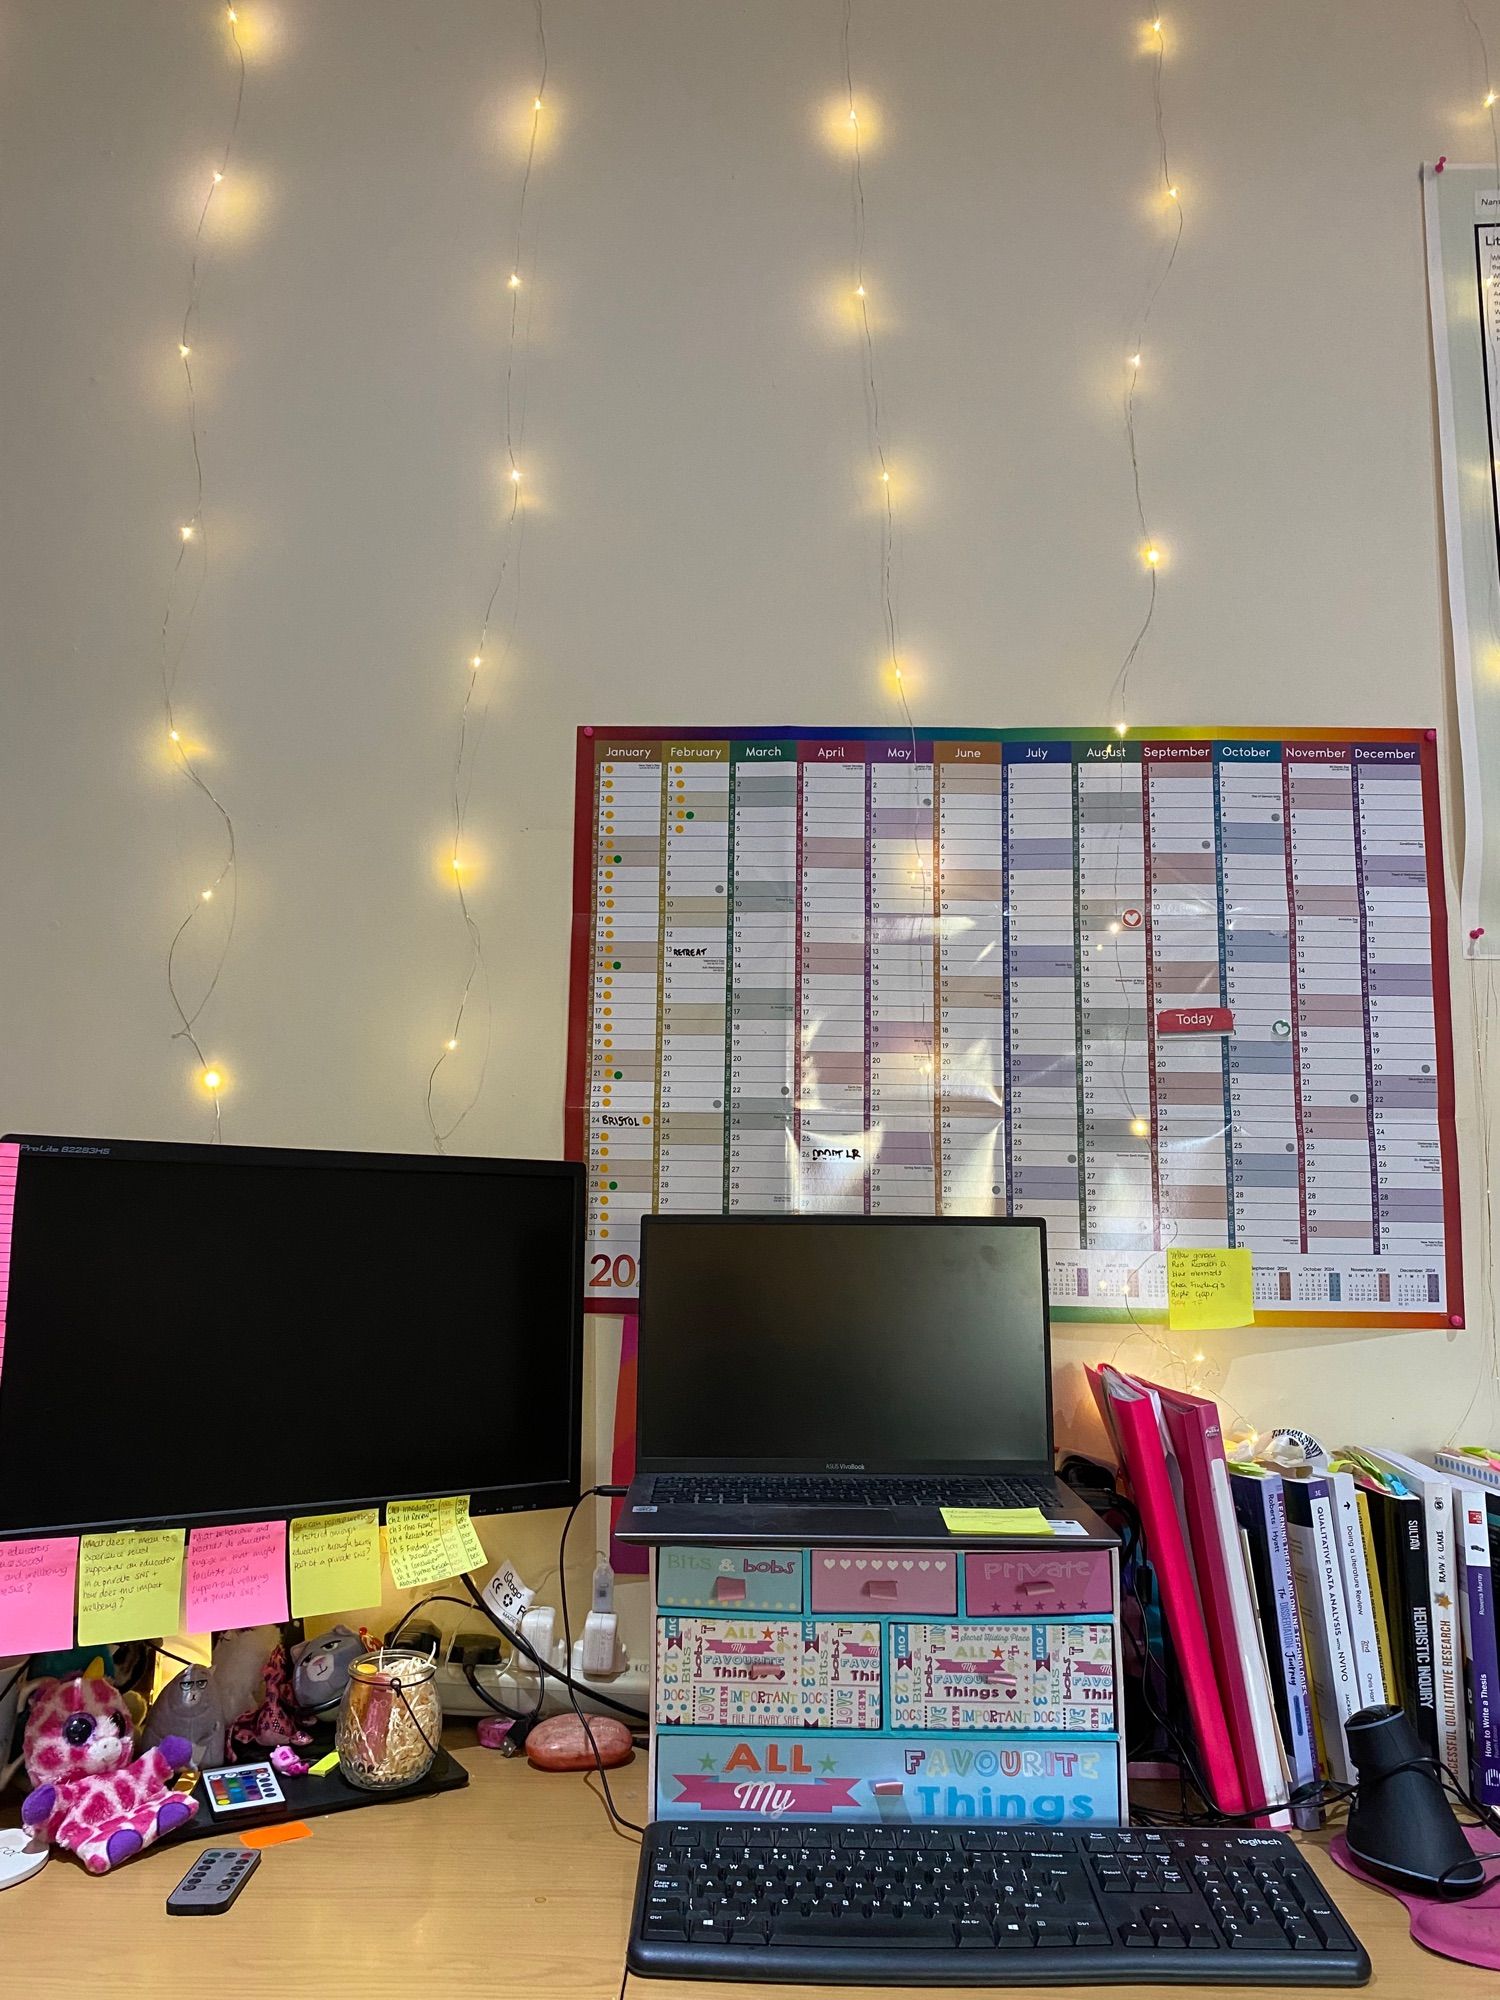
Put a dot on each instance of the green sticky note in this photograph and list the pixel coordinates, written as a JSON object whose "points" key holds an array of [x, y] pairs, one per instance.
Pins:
{"points": [[129, 1585], [1208, 1289], [335, 1562], [996, 1521], [427, 1541]]}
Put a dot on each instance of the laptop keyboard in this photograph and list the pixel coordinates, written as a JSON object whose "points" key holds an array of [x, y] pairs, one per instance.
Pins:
{"points": [[733, 1489]]}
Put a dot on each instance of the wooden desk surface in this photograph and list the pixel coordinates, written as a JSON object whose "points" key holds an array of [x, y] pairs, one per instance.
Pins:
{"points": [[516, 1886]]}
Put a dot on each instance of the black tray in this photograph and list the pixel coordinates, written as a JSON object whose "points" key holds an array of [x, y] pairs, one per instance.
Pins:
{"points": [[308, 1797]]}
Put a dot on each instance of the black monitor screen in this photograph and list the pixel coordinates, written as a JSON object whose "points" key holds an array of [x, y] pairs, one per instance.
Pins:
{"points": [[811, 1342], [199, 1333]]}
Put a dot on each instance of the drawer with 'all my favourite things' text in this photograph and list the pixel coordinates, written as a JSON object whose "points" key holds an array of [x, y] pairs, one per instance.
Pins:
{"points": [[976, 1682]]}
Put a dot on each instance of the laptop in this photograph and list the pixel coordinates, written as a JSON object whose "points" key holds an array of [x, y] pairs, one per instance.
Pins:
{"points": [[840, 1378]]}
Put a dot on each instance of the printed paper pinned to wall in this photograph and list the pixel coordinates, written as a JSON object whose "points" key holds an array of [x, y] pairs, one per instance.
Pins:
{"points": [[335, 1562], [1209, 1288], [36, 1595], [129, 1585], [428, 1541], [236, 1576]]}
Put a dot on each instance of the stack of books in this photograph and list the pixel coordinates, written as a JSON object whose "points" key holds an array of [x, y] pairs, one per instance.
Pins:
{"points": [[1296, 1596]]}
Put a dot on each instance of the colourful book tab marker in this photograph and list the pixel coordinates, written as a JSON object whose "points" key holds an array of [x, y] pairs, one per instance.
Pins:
{"points": [[129, 1585], [277, 1836], [236, 1576], [1208, 1289], [36, 1595], [428, 1541], [335, 1562], [995, 1521]]}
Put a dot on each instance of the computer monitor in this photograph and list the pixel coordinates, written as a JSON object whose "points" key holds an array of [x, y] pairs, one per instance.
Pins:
{"points": [[226, 1333], [899, 1344]]}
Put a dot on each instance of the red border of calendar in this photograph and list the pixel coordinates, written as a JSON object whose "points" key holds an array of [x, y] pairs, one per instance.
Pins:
{"points": [[575, 1131]]}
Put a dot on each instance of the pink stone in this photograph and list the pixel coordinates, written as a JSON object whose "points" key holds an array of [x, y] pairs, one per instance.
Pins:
{"points": [[559, 1743]]}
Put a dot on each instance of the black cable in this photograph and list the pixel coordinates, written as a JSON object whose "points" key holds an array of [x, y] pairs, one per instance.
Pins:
{"points": [[604, 1492], [513, 1638]]}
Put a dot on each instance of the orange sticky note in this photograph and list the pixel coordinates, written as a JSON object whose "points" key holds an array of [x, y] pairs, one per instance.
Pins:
{"points": [[275, 1836]]}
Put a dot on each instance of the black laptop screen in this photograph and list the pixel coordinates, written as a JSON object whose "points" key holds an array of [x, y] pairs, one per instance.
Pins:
{"points": [[860, 1343]]}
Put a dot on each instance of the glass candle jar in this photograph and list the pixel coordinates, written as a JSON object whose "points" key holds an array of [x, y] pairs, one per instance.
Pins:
{"points": [[390, 1720]]}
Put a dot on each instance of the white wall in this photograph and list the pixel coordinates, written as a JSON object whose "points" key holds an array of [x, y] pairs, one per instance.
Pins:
{"points": [[700, 548]]}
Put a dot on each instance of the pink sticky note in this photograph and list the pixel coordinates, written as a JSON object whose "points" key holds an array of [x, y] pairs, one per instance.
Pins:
{"points": [[236, 1576], [36, 1595]]}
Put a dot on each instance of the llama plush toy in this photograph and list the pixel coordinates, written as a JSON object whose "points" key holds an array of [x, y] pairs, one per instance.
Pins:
{"points": [[90, 1798]]}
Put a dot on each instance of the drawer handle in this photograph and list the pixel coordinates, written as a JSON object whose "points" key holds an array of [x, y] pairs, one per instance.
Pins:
{"points": [[729, 1590], [1039, 1588], [880, 1586]]}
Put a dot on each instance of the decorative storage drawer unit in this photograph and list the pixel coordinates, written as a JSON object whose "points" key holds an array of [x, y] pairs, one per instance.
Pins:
{"points": [[962, 1683]]}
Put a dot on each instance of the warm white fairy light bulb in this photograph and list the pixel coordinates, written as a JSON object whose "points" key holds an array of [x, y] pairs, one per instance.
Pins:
{"points": [[451, 1044], [1151, 555], [514, 281], [174, 736], [186, 531], [859, 291], [1489, 99], [477, 662], [212, 1079], [536, 104], [515, 475], [217, 177], [205, 895], [183, 349], [1122, 728]]}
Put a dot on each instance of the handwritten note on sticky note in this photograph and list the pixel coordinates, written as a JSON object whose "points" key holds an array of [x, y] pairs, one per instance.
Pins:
{"points": [[129, 1586], [236, 1576], [36, 1595], [1209, 1288], [335, 1562], [996, 1521], [430, 1540]]}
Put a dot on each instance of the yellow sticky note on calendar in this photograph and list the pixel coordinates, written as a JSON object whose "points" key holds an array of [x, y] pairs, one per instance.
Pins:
{"points": [[1209, 1289], [995, 1521], [427, 1541]]}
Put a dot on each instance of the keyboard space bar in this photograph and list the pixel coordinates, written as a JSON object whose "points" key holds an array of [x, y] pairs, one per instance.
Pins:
{"points": [[936, 1935]]}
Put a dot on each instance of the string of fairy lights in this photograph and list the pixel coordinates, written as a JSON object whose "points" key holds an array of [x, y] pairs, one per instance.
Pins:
{"points": [[1193, 1366], [1164, 258], [478, 673], [218, 901], [880, 466]]}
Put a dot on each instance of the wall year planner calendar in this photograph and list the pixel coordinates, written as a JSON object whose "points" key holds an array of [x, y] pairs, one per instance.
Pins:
{"points": [[1179, 988]]}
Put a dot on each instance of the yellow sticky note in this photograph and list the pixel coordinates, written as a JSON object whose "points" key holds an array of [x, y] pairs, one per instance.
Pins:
{"points": [[129, 1585], [995, 1521], [1209, 1288], [335, 1562], [324, 1765], [427, 1541]]}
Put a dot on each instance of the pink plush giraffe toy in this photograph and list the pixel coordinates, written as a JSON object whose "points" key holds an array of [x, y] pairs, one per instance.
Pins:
{"points": [[90, 1798]]}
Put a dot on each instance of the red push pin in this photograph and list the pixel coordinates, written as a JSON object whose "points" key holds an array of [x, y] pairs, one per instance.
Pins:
{"points": [[1455, 1319], [1477, 932], [1442, 162]]}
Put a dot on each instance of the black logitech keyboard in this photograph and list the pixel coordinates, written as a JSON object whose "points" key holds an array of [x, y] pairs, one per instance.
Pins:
{"points": [[736, 1489], [889, 1905]]}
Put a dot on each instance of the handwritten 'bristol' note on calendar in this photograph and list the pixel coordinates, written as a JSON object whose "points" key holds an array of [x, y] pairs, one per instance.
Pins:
{"points": [[1175, 990]]}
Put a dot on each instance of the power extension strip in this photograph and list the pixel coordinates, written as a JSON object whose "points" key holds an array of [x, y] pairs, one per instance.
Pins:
{"points": [[518, 1691]]}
